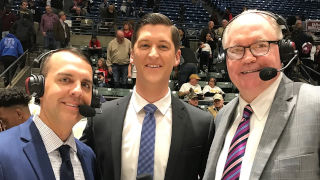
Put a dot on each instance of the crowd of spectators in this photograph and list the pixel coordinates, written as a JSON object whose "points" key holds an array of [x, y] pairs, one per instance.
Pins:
{"points": [[56, 33]]}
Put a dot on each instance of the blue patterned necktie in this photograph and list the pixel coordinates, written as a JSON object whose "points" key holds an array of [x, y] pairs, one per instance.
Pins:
{"points": [[237, 147], [146, 151], [66, 170]]}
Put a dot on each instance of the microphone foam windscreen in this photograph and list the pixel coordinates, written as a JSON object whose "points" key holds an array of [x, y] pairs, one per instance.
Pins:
{"points": [[87, 111], [268, 73]]}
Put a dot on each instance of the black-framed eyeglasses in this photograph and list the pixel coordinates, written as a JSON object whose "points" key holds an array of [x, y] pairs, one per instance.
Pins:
{"points": [[260, 48]]}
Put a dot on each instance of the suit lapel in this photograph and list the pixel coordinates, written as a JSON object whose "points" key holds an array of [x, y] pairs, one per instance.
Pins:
{"points": [[280, 111], [178, 123], [82, 156], [35, 151], [118, 117], [223, 122]]}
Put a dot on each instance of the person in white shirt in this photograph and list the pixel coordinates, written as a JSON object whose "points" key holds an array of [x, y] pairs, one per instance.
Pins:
{"points": [[193, 84], [210, 89], [180, 133]]}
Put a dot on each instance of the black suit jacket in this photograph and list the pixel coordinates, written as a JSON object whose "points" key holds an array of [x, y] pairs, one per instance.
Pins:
{"points": [[59, 33], [192, 133]]}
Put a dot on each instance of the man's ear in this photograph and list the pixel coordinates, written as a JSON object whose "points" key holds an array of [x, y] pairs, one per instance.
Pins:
{"points": [[177, 59], [19, 113]]}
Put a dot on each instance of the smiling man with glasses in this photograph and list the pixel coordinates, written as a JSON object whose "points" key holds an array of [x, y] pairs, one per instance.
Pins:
{"points": [[272, 130]]}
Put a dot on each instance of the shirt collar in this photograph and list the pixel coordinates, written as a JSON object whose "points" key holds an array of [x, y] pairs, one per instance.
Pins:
{"points": [[50, 139], [163, 104], [262, 103]]}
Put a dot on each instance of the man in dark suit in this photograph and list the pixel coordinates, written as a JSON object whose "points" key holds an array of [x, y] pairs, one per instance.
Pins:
{"points": [[181, 133], [44, 147], [61, 31], [272, 129]]}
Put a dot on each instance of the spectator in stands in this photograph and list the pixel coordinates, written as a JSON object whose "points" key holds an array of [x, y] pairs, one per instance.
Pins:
{"points": [[48, 137], [25, 11], [132, 72], [61, 31], [103, 7], [188, 65], [227, 14], [14, 108], [76, 3], [192, 84], [183, 38], [110, 15], [103, 75], [95, 46], [118, 59], [193, 99], [79, 11], [141, 12], [10, 50], [205, 53], [130, 7], [8, 18], [207, 30], [302, 40], [127, 30], [123, 8], [46, 27], [220, 30], [214, 17], [36, 12], [211, 89], [23, 29], [217, 105]]}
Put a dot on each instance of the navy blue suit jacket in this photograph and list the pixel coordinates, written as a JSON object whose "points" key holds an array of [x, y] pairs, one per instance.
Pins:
{"points": [[23, 155]]}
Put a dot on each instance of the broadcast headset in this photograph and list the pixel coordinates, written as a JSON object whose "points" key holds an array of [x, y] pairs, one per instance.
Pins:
{"points": [[286, 46], [34, 85]]}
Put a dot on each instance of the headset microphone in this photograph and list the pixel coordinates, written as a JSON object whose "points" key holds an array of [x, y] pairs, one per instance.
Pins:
{"points": [[268, 73], [87, 111]]}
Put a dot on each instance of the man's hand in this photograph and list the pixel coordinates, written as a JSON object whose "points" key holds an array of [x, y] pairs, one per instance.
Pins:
{"points": [[110, 70], [44, 33]]}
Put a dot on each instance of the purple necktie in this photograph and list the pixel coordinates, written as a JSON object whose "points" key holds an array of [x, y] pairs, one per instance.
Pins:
{"points": [[238, 147]]}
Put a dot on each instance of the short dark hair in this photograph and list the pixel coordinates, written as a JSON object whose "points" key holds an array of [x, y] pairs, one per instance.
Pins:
{"points": [[44, 64], [13, 96], [155, 19]]}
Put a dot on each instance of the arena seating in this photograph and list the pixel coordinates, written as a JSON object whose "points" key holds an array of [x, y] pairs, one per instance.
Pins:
{"points": [[286, 8]]}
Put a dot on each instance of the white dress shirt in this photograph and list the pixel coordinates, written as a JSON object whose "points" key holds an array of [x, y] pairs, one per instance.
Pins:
{"points": [[52, 142], [132, 132], [261, 107]]}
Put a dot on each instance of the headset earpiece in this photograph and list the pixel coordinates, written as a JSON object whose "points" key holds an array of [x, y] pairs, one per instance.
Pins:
{"points": [[35, 85], [286, 50]]}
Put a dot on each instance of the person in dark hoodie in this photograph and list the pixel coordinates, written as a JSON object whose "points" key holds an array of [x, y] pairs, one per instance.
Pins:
{"points": [[10, 50]]}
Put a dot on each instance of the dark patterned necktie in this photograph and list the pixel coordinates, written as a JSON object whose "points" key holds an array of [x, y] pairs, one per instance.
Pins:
{"points": [[66, 170], [238, 147], [146, 150]]}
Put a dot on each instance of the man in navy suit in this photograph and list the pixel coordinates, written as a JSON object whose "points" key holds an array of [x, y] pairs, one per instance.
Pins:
{"points": [[35, 149]]}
